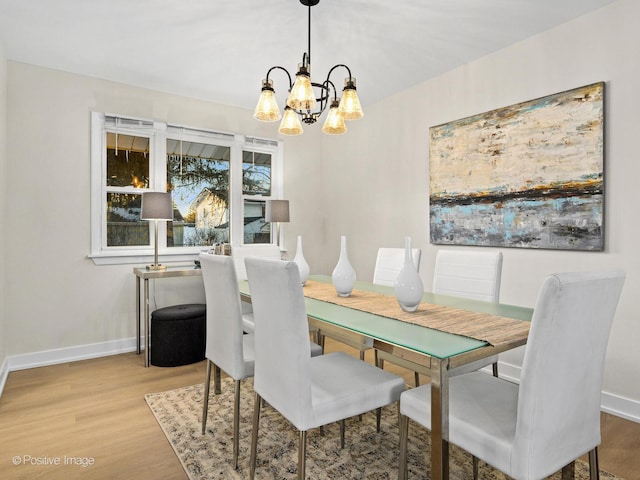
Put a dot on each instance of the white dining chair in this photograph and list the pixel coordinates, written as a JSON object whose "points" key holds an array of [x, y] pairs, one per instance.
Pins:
{"points": [[470, 274], [308, 392], [238, 254], [227, 348], [541, 426], [389, 262]]}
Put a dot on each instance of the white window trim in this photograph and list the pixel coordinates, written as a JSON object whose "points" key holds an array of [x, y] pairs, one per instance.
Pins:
{"points": [[158, 134]]}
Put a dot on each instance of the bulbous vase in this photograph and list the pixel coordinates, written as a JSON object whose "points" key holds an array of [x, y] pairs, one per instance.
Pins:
{"points": [[344, 276], [303, 266], [408, 287]]}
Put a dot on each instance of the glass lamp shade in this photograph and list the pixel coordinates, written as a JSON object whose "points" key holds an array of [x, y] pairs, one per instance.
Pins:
{"points": [[157, 206], [301, 96], [290, 124], [334, 124], [350, 103], [267, 108]]}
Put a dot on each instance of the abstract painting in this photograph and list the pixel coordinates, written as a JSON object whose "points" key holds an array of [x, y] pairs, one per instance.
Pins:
{"points": [[529, 175]]}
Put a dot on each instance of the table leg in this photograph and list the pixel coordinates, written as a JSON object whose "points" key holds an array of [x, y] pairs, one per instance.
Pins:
{"points": [[138, 315], [439, 419], [147, 321]]}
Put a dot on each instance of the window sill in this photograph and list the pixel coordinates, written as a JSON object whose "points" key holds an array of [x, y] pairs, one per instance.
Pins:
{"points": [[140, 259]]}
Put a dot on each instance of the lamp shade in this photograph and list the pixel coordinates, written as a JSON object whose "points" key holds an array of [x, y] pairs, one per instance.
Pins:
{"points": [[277, 211], [157, 206]]}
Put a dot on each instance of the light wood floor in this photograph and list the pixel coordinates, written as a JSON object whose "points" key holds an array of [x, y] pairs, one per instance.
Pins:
{"points": [[95, 410]]}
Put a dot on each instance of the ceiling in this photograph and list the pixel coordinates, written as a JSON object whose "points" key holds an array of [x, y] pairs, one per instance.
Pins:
{"points": [[220, 50]]}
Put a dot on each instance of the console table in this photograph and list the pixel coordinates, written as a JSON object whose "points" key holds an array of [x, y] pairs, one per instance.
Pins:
{"points": [[146, 275]]}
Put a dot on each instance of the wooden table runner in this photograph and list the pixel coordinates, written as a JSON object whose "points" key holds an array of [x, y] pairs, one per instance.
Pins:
{"points": [[489, 328]]}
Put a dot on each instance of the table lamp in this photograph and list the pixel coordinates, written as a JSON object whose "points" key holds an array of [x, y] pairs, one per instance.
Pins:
{"points": [[156, 206], [277, 211]]}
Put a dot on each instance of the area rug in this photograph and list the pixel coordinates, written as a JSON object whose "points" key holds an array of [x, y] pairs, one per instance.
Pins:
{"points": [[367, 454]]}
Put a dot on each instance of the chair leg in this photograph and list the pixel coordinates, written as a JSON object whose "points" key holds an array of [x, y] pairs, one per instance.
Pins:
{"points": [[568, 471], [474, 462], [302, 455], [416, 377], [594, 468], [342, 428], [236, 425], [495, 369], [254, 436], [402, 460], [216, 380], [205, 397], [381, 363], [378, 417], [321, 340]]}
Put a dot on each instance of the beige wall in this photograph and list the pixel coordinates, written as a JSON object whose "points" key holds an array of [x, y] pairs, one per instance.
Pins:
{"points": [[381, 192], [371, 185]]}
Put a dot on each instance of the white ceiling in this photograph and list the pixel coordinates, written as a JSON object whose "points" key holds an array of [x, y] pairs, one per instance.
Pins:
{"points": [[220, 50]]}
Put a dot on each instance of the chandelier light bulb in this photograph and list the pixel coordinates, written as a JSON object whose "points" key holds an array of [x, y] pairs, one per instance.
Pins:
{"points": [[267, 108], [290, 124], [302, 96], [334, 124], [350, 103]]}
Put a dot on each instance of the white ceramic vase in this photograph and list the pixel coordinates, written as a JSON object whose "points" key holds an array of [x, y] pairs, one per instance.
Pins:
{"points": [[303, 266], [408, 287], [344, 276]]}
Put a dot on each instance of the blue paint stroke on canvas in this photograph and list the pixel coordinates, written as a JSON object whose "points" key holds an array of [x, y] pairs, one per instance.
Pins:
{"points": [[529, 175]]}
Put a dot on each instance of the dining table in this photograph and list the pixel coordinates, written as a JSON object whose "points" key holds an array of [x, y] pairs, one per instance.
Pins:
{"points": [[444, 333]]}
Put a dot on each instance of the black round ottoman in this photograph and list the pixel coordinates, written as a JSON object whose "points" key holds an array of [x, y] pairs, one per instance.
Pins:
{"points": [[178, 335]]}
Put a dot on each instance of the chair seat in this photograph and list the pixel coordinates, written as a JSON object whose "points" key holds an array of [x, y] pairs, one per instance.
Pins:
{"points": [[480, 406], [343, 386]]}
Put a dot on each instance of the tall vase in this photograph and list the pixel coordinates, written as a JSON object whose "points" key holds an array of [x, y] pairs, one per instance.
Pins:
{"points": [[408, 286], [303, 266], [344, 276]]}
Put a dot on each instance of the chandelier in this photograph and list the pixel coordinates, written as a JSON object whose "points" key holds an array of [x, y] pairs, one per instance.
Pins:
{"points": [[307, 100]]}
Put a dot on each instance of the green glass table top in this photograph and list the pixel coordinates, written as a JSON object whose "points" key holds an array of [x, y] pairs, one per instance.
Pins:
{"points": [[415, 337]]}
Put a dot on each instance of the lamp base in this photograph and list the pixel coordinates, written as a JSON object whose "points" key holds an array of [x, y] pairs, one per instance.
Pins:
{"points": [[156, 268]]}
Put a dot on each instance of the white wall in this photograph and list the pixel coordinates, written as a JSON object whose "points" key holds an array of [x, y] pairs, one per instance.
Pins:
{"points": [[56, 297], [379, 171], [3, 189]]}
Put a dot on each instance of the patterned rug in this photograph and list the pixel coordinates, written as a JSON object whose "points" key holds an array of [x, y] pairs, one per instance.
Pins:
{"points": [[367, 454]]}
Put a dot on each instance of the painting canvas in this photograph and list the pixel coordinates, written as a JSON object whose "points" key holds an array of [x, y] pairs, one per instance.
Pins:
{"points": [[529, 175]]}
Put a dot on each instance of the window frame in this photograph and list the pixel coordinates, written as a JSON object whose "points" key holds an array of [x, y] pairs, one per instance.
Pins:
{"points": [[158, 133]]}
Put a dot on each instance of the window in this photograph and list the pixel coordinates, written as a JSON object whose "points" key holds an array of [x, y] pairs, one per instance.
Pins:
{"points": [[219, 183]]}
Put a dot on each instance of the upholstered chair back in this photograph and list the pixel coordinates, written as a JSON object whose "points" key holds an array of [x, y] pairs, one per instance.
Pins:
{"points": [[470, 274], [561, 380], [389, 262]]}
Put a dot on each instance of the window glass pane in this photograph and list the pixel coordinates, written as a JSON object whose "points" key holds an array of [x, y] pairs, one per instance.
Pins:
{"points": [[256, 173], [256, 230], [128, 165], [124, 227], [198, 177]]}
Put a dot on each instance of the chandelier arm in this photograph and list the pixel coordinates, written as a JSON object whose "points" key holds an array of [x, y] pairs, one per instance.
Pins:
{"points": [[327, 85], [336, 66], [277, 67]]}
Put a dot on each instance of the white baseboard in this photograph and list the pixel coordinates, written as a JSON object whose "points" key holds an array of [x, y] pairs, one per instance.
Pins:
{"points": [[4, 373], [617, 405], [70, 354]]}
